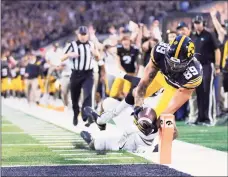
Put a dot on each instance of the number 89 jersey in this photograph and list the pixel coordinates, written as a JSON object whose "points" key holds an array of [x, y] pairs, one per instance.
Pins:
{"points": [[190, 78]]}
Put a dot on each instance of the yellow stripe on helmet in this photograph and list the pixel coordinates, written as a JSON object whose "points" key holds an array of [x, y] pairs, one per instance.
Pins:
{"points": [[179, 46]]}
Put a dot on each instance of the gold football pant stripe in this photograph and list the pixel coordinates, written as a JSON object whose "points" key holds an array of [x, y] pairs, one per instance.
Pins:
{"points": [[119, 85], [168, 93]]}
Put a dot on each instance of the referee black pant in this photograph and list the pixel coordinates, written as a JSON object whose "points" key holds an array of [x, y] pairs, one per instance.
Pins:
{"points": [[81, 80], [206, 95]]}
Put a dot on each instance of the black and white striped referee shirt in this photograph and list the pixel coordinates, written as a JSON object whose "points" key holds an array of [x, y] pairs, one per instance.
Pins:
{"points": [[85, 61]]}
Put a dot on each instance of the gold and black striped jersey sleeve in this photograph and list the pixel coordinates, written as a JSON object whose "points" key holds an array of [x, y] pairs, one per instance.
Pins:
{"points": [[195, 73], [157, 55], [194, 83]]}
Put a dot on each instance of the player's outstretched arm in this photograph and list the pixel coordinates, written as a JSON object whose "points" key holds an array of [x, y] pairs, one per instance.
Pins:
{"points": [[149, 74]]}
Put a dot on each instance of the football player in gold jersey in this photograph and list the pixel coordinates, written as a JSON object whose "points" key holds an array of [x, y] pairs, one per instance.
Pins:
{"points": [[172, 67]]}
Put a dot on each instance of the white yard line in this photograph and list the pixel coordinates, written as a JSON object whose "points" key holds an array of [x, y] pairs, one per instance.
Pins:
{"points": [[7, 125], [42, 127], [56, 138], [47, 134], [32, 144], [100, 158], [63, 141], [50, 145], [69, 150], [89, 153], [12, 133], [44, 130], [61, 147]]}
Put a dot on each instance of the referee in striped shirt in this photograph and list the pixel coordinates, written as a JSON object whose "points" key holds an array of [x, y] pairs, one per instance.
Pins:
{"points": [[83, 55]]}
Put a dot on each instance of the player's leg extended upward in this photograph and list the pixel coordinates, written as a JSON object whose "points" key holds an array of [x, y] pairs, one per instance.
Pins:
{"points": [[128, 101]]}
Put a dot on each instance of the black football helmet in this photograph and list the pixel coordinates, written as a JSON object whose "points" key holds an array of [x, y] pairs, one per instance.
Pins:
{"points": [[179, 54]]}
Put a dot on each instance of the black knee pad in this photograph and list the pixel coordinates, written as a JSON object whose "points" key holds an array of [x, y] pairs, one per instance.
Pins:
{"points": [[130, 98], [134, 80]]}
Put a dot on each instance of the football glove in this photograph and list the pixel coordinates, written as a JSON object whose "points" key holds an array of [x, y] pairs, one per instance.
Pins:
{"points": [[137, 110]]}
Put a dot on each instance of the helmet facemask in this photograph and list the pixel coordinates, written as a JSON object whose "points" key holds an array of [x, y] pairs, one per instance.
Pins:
{"points": [[175, 64]]}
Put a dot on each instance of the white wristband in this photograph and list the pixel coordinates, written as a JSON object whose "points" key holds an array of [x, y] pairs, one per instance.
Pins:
{"points": [[100, 62], [122, 74]]}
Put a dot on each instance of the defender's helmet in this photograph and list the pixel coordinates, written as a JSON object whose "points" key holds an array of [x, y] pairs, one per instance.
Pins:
{"points": [[179, 54]]}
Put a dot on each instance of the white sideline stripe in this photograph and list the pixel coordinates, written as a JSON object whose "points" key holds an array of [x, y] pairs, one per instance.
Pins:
{"points": [[99, 158], [47, 134], [55, 136], [43, 127], [12, 133], [39, 128], [87, 153], [59, 147], [48, 131], [44, 130], [62, 141], [6, 125], [35, 144], [25, 144], [59, 138], [69, 150]]}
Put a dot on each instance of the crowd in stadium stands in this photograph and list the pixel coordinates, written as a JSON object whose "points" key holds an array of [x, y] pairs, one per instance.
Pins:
{"points": [[28, 24], [43, 21]]}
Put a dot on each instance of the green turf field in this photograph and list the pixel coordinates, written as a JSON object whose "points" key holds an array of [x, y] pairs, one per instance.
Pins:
{"points": [[213, 137], [19, 148]]}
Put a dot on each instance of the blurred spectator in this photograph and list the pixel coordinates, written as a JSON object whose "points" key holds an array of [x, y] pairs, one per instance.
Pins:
{"points": [[155, 31], [222, 31], [127, 60], [41, 22], [32, 72], [184, 5], [170, 36], [207, 46], [183, 29], [52, 58], [5, 75], [147, 46]]}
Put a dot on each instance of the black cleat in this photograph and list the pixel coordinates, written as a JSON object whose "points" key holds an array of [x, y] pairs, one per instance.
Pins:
{"points": [[89, 121], [75, 121], [86, 136], [155, 148], [91, 113]]}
